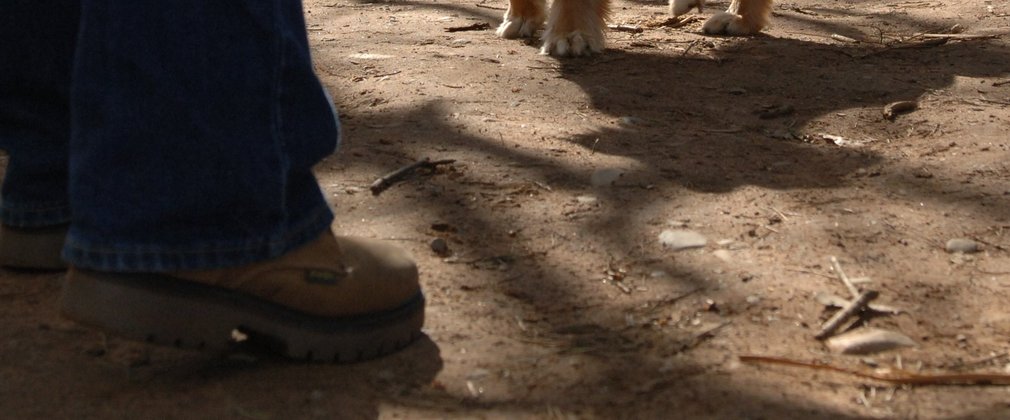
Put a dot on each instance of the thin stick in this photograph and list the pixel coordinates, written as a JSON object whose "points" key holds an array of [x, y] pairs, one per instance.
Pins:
{"points": [[484, 6], [845, 279], [626, 28], [781, 214], [899, 377], [854, 307], [961, 36], [475, 27], [398, 175]]}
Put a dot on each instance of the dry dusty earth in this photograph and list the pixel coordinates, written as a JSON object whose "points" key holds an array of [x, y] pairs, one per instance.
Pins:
{"points": [[559, 301]]}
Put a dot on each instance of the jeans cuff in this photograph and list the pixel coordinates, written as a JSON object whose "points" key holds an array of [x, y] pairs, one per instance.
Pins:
{"points": [[120, 257], [39, 215]]}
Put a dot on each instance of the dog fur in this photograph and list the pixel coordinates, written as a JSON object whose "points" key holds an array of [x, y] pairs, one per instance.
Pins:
{"points": [[576, 27]]}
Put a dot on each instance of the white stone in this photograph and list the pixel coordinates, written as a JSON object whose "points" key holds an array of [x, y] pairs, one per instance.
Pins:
{"points": [[962, 245], [867, 341], [682, 239]]}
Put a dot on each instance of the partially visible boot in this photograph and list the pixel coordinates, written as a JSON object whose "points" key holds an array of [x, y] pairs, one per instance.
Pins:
{"points": [[334, 299], [33, 248]]}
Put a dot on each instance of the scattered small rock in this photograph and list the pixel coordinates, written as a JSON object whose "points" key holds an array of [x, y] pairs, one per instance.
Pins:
{"points": [[724, 255], [440, 247], [586, 199], [753, 299], [682, 239], [962, 245], [867, 341]]}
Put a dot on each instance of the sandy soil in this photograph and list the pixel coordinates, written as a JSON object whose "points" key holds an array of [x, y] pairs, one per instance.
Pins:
{"points": [[558, 299]]}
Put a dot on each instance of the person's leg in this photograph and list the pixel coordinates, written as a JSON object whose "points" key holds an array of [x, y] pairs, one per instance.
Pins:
{"points": [[195, 125], [36, 53]]}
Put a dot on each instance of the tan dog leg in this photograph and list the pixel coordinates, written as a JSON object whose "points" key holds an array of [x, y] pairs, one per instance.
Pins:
{"points": [[743, 17], [575, 27], [679, 7], [522, 19]]}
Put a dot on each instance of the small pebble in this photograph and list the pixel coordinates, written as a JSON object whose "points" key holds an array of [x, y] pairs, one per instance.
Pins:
{"points": [[682, 239], [753, 299], [868, 341], [440, 247], [962, 245], [724, 255], [586, 199]]}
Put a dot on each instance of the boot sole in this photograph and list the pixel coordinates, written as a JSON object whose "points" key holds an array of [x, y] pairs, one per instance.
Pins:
{"points": [[164, 310]]}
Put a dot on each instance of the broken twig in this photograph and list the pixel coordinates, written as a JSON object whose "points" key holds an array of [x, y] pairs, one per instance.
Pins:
{"points": [[962, 36], [475, 27], [398, 175], [899, 377], [626, 28], [845, 279], [484, 6], [854, 307], [674, 22]]}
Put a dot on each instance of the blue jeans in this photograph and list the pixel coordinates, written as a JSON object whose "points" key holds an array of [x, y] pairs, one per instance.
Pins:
{"points": [[170, 135]]}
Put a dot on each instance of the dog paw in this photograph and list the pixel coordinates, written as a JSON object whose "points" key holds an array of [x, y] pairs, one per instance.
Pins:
{"points": [[572, 44], [680, 7], [519, 26], [725, 23]]}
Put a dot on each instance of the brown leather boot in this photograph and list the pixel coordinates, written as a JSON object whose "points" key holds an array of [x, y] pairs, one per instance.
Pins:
{"points": [[334, 299], [32, 248]]}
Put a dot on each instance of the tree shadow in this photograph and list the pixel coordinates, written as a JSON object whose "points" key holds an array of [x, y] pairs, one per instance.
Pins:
{"points": [[724, 91]]}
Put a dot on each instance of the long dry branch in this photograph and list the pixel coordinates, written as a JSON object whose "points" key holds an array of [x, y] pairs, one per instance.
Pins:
{"points": [[899, 377]]}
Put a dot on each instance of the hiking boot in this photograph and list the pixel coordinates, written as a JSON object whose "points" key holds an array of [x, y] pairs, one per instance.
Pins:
{"points": [[33, 248], [334, 299]]}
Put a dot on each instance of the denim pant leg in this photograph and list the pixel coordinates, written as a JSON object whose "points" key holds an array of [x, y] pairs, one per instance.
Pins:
{"points": [[194, 128], [36, 52]]}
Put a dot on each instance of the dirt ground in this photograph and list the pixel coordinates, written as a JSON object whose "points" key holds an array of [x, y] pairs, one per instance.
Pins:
{"points": [[558, 299]]}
